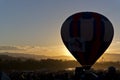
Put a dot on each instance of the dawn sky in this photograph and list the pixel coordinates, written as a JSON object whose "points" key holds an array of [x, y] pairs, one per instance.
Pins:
{"points": [[33, 26]]}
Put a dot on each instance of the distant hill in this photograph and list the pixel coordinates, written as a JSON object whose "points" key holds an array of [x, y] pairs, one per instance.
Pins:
{"points": [[63, 57], [7, 55], [22, 55], [106, 57]]}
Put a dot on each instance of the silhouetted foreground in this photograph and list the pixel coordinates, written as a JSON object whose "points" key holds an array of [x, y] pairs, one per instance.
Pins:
{"points": [[56, 70], [49, 64], [110, 74]]}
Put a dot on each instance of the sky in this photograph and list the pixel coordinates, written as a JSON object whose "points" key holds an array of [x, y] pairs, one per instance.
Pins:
{"points": [[33, 26]]}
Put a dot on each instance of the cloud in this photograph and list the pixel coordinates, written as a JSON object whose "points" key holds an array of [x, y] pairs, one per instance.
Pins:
{"points": [[40, 50], [118, 42], [46, 50], [9, 48]]}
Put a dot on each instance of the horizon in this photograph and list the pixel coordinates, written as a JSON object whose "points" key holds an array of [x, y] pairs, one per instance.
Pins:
{"points": [[106, 57]]}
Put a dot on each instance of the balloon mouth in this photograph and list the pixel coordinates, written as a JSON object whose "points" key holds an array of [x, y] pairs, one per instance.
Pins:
{"points": [[83, 69], [86, 67]]}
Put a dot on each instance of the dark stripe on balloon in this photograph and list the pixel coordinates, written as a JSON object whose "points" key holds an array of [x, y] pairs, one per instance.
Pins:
{"points": [[79, 23], [71, 29], [75, 25], [96, 43], [78, 56], [103, 29], [102, 47], [76, 33]]}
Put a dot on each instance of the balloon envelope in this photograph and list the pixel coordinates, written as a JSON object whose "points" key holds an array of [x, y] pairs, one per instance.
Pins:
{"points": [[87, 35]]}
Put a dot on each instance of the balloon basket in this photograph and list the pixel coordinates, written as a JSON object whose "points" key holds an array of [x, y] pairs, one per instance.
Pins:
{"points": [[84, 73], [81, 71]]}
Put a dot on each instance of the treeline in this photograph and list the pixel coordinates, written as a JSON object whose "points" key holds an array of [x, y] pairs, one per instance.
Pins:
{"points": [[48, 64], [31, 64], [105, 65]]}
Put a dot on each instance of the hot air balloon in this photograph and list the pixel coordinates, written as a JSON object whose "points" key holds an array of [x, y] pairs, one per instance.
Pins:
{"points": [[87, 35]]}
